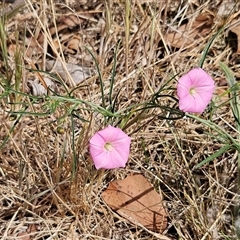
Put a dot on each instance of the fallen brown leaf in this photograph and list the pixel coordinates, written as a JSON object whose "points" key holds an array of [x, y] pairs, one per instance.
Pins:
{"points": [[30, 232], [135, 199], [64, 28], [73, 45], [71, 21], [190, 33]]}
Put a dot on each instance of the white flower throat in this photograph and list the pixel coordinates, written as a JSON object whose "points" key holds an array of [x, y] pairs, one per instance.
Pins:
{"points": [[108, 146], [192, 91]]}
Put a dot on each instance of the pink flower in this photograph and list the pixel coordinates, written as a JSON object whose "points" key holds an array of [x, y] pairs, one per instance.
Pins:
{"points": [[195, 90], [110, 148]]}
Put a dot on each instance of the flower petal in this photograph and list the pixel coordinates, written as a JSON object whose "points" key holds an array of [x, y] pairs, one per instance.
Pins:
{"points": [[199, 77], [115, 157], [182, 90], [99, 138], [203, 86]]}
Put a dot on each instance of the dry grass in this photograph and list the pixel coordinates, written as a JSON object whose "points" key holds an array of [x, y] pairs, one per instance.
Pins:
{"points": [[48, 185]]}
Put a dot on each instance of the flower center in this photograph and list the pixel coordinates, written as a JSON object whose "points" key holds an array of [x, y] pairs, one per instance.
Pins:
{"points": [[192, 91], [108, 146]]}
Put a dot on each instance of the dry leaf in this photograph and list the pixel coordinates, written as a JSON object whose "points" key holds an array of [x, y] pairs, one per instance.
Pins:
{"points": [[190, 33], [64, 28], [37, 89], [225, 8], [28, 234], [73, 45], [71, 21], [135, 199], [78, 73]]}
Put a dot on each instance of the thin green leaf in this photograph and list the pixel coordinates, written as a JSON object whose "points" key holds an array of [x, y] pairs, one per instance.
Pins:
{"points": [[100, 77], [113, 77], [234, 101], [214, 156], [206, 49]]}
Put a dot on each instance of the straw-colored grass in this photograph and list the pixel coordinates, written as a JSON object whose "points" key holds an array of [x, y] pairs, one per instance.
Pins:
{"points": [[48, 184]]}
